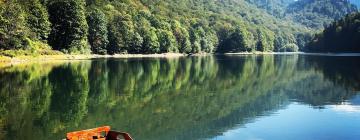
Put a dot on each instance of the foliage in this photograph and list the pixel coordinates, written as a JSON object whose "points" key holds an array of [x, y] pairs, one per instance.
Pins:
{"points": [[289, 48], [69, 27], [151, 44], [121, 31], [167, 41], [284, 40], [311, 13], [182, 37], [317, 13], [273, 7], [37, 19], [98, 33], [265, 40], [185, 26], [239, 40], [12, 26], [340, 36]]}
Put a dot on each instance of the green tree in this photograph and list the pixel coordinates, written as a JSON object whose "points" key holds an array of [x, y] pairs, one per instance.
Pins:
{"points": [[167, 41], [182, 37], [196, 35], [209, 42], [265, 40], [151, 43], [121, 32], [317, 13], [98, 33], [340, 36], [238, 41], [282, 40], [69, 28], [289, 48], [13, 29], [149, 34], [38, 19], [136, 43]]}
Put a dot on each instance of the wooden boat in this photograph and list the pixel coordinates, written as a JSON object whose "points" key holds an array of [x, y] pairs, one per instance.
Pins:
{"points": [[100, 133]]}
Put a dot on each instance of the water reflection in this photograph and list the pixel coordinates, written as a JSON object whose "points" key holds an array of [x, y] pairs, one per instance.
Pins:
{"points": [[157, 98]]}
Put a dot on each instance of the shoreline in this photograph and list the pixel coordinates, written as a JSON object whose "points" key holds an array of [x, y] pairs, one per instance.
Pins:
{"points": [[291, 53], [69, 57], [18, 59], [262, 53]]}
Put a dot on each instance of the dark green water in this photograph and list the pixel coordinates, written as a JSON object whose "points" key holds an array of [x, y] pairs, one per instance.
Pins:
{"points": [[214, 97]]}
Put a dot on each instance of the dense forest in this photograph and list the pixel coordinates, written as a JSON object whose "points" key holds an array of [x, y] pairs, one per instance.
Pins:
{"points": [[153, 26], [317, 13], [310, 13], [340, 36]]}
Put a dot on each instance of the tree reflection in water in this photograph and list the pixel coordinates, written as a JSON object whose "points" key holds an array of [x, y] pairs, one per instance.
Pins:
{"points": [[158, 98]]}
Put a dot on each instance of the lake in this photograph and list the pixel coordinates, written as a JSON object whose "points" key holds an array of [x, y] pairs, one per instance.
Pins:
{"points": [[250, 97]]}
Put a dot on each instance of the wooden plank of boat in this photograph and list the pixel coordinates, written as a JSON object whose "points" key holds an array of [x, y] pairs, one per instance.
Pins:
{"points": [[100, 133]]}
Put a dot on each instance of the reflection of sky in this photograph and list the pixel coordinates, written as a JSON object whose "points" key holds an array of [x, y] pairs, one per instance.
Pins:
{"points": [[301, 122], [346, 108], [351, 106], [356, 100]]}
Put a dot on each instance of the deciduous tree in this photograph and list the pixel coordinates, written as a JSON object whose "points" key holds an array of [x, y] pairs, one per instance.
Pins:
{"points": [[98, 33], [69, 28]]}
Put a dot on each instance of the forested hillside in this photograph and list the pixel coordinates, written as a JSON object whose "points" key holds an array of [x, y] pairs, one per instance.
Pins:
{"points": [[317, 13], [340, 36], [273, 7], [311, 13], [152, 26]]}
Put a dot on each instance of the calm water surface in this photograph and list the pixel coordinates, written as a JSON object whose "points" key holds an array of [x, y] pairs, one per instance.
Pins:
{"points": [[281, 97]]}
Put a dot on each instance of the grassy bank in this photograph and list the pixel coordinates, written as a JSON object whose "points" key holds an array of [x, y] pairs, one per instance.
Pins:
{"points": [[61, 56], [27, 58], [6, 61], [58, 56]]}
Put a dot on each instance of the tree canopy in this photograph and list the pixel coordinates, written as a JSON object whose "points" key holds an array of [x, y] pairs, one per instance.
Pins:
{"points": [[340, 36], [184, 26]]}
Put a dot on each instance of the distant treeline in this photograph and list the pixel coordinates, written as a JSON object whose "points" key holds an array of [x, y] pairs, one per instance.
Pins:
{"points": [[319, 13], [340, 36], [310, 13]]}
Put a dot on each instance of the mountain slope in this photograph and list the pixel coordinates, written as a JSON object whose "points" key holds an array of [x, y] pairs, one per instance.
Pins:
{"points": [[233, 12], [273, 7], [317, 13], [311, 13]]}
